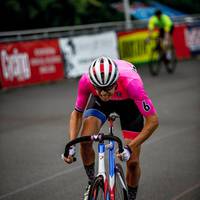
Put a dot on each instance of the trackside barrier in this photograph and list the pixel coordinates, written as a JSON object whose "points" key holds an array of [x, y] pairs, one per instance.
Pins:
{"points": [[38, 61]]}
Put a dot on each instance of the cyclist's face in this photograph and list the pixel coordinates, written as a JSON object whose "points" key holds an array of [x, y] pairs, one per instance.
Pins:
{"points": [[107, 93], [159, 17]]}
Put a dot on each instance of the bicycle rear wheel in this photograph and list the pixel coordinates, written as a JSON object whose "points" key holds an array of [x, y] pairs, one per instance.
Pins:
{"points": [[155, 62], [171, 63], [97, 189], [120, 184]]}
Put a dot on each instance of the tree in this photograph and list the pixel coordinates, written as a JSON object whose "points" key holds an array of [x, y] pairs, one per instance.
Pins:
{"points": [[22, 14]]}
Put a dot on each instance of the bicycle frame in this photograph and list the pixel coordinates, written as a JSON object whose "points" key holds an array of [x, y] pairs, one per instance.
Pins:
{"points": [[109, 185]]}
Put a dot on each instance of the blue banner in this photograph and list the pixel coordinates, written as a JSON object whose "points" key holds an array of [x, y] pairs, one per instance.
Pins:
{"points": [[145, 12]]}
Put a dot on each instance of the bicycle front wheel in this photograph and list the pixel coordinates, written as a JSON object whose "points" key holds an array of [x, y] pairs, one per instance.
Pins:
{"points": [[97, 189], [155, 62], [171, 62], [120, 184]]}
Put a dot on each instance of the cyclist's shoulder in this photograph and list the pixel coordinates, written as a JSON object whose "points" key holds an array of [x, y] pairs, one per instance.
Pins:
{"points": [[153, 18], [128, 72], [121, 62], [84, 80], [166, 17], [84, 77]]}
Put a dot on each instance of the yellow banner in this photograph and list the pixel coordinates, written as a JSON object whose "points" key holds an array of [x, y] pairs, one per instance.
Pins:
{"points": [[134, 48]]}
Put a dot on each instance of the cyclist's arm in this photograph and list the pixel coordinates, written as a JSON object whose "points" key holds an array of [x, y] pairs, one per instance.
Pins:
{"points": [[146, 108], [151, 26], [75, 124], [168, 23], [80, 104], [151, 123], [167, 27]]}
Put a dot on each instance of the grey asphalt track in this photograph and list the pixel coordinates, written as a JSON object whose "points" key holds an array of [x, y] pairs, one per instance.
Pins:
{"points": [[33, 127]]}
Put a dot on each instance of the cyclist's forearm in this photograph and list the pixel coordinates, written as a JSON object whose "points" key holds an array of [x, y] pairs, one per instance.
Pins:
{"points": [[150, 32], [150, 125], [75, 124]]}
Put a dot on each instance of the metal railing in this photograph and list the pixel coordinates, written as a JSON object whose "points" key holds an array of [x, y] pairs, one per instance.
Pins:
{"points": [[69, 31]]}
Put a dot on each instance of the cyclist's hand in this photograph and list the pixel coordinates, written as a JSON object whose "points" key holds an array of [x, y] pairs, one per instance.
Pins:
{"points": [[70, 159], [126, 154]]}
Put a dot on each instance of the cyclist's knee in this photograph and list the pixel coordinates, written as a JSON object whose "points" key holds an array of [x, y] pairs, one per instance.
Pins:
{"points": [[91, 125], [92, 119], [86, 146], [132, 164]]}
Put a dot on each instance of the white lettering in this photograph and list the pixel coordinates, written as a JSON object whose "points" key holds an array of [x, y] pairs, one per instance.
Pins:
{"points": [[44, 51], [50, 69], [45, 60], [15, 65]]}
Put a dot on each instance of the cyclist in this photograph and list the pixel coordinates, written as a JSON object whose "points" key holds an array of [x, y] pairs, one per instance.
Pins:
{"points": [[113, 86], [165, 26]]}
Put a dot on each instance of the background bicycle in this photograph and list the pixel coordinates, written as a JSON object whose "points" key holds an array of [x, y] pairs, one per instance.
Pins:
{"points": [[160, 55], [109, 185]]}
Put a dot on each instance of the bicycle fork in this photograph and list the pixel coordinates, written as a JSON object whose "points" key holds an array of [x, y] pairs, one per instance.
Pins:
{"points": [[101, 169], [109, 185]]}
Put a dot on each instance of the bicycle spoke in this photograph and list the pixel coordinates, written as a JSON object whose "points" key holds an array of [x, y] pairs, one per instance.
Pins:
{"points": [[120, 192]]}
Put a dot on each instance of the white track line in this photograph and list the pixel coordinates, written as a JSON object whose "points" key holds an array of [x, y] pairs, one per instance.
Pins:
{"points": [[167, 135], [40, 181], [186, 191]]}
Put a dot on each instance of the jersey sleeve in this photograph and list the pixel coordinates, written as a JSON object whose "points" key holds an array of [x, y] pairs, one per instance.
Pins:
{"points": [[83, 94], [137, 92], [168, 23], [151, 23]]}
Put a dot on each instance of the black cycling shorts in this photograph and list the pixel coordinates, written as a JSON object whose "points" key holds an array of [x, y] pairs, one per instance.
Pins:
{"points": [[131, 119]]}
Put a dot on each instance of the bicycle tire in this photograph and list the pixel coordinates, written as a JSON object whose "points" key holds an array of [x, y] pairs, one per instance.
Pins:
{"points": [[155, 64], [97, 189], [120, 192], [172, 63]]}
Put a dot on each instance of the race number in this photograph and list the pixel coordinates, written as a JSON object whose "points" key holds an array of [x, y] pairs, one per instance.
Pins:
{"points": [[146, 106]]}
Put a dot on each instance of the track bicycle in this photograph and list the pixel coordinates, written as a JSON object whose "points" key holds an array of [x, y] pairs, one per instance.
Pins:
{"points": [[160, 54], [111, 185]]}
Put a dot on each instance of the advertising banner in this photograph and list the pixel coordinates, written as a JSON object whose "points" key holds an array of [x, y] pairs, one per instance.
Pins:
{"points": [[180, 44], [192, 34], [23, 63], [80, 51], [134, 48]]}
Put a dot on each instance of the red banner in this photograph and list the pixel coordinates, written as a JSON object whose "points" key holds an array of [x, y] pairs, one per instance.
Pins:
{"points": [[24, 63], [182, 51]]}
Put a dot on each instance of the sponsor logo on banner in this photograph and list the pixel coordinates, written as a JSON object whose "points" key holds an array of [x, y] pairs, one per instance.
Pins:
{"points": [[133, 48], [15, 65], [79, 52], [23, 63], [192, 35]]}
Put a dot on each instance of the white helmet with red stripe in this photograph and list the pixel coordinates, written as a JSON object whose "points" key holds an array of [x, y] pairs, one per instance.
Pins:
{"points": [[103, 72]]}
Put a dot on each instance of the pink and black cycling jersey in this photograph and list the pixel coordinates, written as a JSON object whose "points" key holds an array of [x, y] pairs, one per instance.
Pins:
{"points": [[129, 86]]}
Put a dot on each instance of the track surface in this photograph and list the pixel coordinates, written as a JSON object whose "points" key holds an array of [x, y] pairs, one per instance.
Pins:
{"points": [[34, 122]]}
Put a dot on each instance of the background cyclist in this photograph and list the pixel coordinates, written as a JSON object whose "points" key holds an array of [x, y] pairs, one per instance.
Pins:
{"points": [[113, 86], [165, 26]]}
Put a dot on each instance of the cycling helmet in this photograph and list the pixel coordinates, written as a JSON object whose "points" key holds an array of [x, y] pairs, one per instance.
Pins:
{"points": [[158, 12], [103, 72]]}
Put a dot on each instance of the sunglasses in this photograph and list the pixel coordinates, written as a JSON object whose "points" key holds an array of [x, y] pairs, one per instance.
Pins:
{"points": [[106, 89]]}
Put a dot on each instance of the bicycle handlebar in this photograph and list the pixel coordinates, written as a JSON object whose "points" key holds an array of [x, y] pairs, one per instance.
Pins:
{"points": [[94, 138]]}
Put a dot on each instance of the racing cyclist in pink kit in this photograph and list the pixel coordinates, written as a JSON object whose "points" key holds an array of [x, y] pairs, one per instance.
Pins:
{"points": [[113, 86]]}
